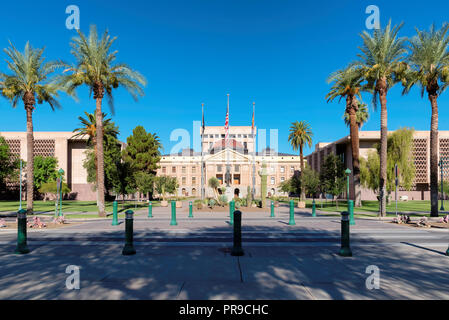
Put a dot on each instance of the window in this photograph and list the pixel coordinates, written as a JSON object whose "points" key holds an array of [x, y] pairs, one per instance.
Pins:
{"points": [[193, 169], [292, 169], [193, 181], [184, 181], [193, 192], [183, 169], [282, 169], [164, 169], [217, 136], [173, 169], [282, 179], [219, 168], [273, 180], [237, 168]]}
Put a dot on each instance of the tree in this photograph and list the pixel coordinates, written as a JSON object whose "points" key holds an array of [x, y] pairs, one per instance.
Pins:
{"points": [[165, 184], [361, 116], [429, 68], [400, 153], [381, 66], [292, 185], [347, 83], [144, 182], [300, 135], [214, 184], [9, 164], [311, 181], [51, 187], [96, 68], [332, 176], [45, 170], [30, 80]]}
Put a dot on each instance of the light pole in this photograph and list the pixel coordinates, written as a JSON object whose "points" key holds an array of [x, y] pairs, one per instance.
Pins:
{"points": [[441, 165], [20, 188], [347, 172], [61, 172]]}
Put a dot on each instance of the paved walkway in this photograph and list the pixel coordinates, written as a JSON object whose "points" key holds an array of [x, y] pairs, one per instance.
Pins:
{"points": [[193, 261]]}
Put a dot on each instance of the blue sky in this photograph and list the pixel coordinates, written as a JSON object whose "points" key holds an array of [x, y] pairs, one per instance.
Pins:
{"points": [[276, 53]]}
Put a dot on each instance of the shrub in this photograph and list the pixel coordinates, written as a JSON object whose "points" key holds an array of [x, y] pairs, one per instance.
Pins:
{"points": [[223, 200], [212, 203]]}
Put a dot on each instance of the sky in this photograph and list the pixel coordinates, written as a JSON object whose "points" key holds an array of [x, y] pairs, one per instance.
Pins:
{"points": [[277, 54]]}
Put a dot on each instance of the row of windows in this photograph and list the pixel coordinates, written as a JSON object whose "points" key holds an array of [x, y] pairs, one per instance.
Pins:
{"points": [[220, 169], [211, 136], [220, 177]]}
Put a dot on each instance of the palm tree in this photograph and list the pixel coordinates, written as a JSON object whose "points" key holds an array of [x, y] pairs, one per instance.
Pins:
{"points": [[300, 135], [89, 129], [96, 68], [381, 66], [361, 116], [30, 80], [347, 84], [429, 68]]}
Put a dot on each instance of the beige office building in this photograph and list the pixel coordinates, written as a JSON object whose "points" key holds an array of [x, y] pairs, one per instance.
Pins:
{"points": [[421, 158], [70, 153], [238, 154]]}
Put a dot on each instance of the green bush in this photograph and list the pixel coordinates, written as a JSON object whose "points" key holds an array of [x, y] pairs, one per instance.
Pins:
{"points": [[212, 203], [223, 200]]}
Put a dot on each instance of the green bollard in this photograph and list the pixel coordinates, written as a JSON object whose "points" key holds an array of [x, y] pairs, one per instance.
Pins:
{"points": [[129, 250], [231, 212], [292, 213], [114, 214], [22, 247], [351, 212], [313, 208], [345, 250], [272, 209], [237, 249], [190, 209], [173, 214], [150, 209]]}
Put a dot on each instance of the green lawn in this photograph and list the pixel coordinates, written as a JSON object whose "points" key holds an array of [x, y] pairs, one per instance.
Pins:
{"points": [[73, 206], [373, 206]]}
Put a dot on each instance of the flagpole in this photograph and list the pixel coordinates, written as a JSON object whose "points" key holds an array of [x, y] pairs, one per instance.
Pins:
{"points": [[254, 151], [202, 154], [228, 171]]}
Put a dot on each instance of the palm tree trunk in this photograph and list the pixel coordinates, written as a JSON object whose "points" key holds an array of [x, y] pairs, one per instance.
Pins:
{"points": [[100, 159], [355, 144], [30, 158], [301, 157], [383, 146], [434, 156]]}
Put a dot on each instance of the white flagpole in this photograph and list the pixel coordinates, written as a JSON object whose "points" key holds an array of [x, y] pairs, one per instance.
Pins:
{"points": [[254, 150]]}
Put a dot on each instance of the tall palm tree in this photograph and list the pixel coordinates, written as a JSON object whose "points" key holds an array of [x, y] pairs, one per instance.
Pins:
{"points": [[96, 68], [361, 116], [30, 80], [300, 135], [382, 67], [429, 68], [347, 84]]}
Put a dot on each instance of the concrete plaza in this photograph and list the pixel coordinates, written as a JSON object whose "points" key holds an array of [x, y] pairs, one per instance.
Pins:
{"points": [[192, 260]]}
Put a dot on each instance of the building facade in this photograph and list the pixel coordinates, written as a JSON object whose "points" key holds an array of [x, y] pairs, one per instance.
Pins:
{"points": [[421, 158], [237, 156], [70, 153]]}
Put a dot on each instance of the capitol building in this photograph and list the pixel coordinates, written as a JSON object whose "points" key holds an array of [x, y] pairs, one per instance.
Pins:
{"points": [[233, 161]]}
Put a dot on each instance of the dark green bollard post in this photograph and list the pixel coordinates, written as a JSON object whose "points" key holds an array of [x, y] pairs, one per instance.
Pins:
{"points": [[237, 249], [313, 208], [150, 209], [114, 214], [231, 212], [292, 213], [129, 250], [190, 209], [351, 212], [22, 247], [173, 214], [345, 250], [272, 209]]}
